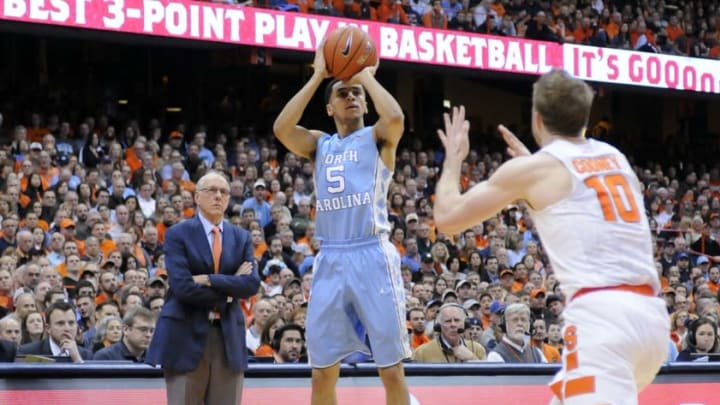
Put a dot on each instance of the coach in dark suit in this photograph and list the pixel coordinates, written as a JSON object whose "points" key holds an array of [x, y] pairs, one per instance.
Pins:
{"points": [[201, 327]]}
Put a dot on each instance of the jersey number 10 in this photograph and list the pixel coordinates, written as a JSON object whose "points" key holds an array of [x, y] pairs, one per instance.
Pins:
{"points": [[616, 198]]}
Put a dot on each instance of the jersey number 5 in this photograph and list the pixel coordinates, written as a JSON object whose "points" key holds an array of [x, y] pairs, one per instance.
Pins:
{"points": [[335, 179], [616, 198]]}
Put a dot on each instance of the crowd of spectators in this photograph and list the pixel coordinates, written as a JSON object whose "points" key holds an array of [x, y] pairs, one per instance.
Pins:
{"points": [[678, 27], [84, 209]]}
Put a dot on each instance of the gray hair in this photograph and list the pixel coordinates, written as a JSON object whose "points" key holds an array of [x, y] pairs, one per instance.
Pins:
{"points": [[445, 307], [517, 308], [7, 318], [209, 174], [102, 327]]}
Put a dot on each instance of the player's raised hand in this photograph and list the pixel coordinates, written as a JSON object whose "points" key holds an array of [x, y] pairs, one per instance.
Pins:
{"points": [[515, 147], [455, 137], [319, 65]]}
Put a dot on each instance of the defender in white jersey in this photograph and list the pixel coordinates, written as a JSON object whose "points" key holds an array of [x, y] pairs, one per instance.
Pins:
{"points": [[587, 206], [357, 287]]}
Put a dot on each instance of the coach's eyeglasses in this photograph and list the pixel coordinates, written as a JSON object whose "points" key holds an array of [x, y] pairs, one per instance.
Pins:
{"points": [[214, 190]]}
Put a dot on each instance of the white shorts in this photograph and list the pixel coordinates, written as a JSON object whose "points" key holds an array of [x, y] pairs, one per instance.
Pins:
{"points": [[615, 343]]}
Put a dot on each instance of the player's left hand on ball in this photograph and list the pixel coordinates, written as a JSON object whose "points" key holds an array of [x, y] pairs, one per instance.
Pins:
{"points": [[244, 269]]}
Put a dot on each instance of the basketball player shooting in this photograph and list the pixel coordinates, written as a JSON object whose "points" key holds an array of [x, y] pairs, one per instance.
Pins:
{"points": [[357, 272], [587, 205]]}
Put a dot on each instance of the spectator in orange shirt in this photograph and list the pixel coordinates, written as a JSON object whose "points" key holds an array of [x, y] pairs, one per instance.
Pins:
{"points": [[435, 17], [392, 11], [583, 32], [67, 229], [188, 204], [273, 323], [177, 177], [539, 335], [520, 272], [106, 244], [36, 131], [170, 216], [713, 279], [134, 153], [674, 30], [714, 52], [641, 36], [612, 29], [554, 335], [498, 7], [416, 326], [46, 169], [507, 278], [398, 237]]}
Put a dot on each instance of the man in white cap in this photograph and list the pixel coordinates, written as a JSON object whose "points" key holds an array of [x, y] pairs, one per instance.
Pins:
{"points": [[258, 203]]}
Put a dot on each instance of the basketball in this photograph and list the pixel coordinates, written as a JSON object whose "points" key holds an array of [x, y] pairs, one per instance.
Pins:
{"points": [[347, 51]]}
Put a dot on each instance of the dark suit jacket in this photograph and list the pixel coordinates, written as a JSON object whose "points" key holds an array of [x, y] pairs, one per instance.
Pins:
{"points": [[7, 351], [181, 330], [42, 348]]}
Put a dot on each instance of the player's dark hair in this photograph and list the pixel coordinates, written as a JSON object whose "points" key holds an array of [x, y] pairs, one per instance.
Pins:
{"points": [[329, 89]]}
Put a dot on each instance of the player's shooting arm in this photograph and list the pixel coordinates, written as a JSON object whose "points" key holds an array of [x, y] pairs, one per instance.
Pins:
{"points": [[297, 139], [391, 124]]}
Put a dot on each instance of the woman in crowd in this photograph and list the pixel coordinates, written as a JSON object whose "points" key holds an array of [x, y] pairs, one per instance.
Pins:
{"points": [[439, 288], [131, 203], [398, 240], [397, 204], [109, 331], [454, 267], [33, 328], [678, 327], [39, 239], [701, 342], [440, 255], [274, 323], [475, 264], [34, 189], [91, 152]]}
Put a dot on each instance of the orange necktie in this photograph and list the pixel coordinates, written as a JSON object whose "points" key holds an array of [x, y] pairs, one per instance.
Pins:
{"points": [[216, 248]]}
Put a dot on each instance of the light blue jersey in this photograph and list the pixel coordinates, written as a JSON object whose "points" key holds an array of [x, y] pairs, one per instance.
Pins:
{"points": [[351, 185], [357, 301]]}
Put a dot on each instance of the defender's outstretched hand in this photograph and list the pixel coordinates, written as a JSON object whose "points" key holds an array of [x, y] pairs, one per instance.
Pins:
{"points": [[455, 137], [515, 147]]}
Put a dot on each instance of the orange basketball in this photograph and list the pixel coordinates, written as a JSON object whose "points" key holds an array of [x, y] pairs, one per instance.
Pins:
{"points": [[347, 51]]}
